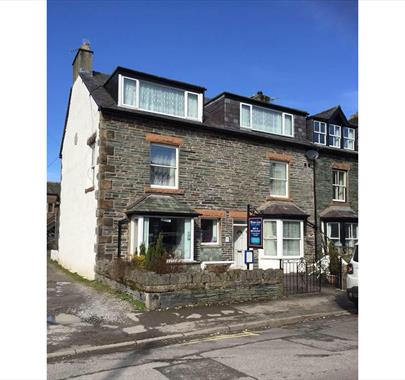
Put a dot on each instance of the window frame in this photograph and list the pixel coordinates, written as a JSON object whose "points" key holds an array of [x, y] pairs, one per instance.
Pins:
{"points": [[287, 184], [327, 231], [218, 242], [280, 239], [283, 114], [139, 232], [348, 138], [121, 103], [272, 239], [337, 185], [334, 135], [325, 134], [250, 115], [176, 176], [354, 239], [93, 163]]}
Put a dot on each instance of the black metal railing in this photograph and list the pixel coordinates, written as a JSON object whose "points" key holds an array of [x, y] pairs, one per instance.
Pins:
{"points": [[301, 276]]}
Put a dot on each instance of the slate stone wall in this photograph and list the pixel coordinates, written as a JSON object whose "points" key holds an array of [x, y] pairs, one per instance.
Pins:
{"points": [[190, 288], [324, 182], [216, 172]]}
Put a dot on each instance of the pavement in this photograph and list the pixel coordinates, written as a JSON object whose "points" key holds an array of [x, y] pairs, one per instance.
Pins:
{"points": [[83, 320], [311, 350]]}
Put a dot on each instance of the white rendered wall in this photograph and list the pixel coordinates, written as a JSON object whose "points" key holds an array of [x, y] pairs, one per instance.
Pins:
{"points": [[77, 230]]}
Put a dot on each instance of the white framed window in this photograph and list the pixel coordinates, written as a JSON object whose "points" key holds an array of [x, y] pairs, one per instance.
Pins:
{"points": [[209, 231], [335, 135], [164, 166], [283, 238], [160, 99], [339, 185], [279, 179], [319, 134], [246, 115], [178, 235], [333, 231], [93, 164], [266, 120], [270, 237], [349, 138], [351, 234]]}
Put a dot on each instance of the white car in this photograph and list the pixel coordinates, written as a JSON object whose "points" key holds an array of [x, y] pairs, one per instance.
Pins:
{"points": [[353, 277]]}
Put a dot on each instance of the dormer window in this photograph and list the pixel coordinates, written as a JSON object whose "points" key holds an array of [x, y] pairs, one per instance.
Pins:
{"points": [[319, 135], [160, 99], [335, 135], [348, 138], [266, 120]]}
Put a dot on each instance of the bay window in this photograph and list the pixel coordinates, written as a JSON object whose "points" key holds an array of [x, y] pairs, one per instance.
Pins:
{"points": [[348, 138], [266, 120], [163, 166], [334, 135], [278, 179], [319, 134], [344, 232], [333, 231], [350, 234], [283, 238], [270, 237], [209, 231], [161, 99], [177, 235], [339, 185]]}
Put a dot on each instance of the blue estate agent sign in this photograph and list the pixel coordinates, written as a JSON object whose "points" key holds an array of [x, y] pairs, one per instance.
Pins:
{"points": [[255, 231]]}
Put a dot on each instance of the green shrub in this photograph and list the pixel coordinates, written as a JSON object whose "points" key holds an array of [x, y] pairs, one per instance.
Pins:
{"points": [[333, 259], [155, 258], [138, 261], [142, 250]]}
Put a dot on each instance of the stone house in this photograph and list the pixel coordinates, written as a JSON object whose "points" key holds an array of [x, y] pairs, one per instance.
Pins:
{"points": [[52, 215], [143, 155], [336, 174]]}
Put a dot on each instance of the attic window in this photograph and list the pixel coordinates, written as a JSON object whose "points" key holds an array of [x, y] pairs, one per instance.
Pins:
{"points": [[266, 120], [160, 99]]}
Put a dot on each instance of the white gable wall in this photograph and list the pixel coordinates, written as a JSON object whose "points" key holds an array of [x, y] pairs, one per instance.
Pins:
{"points": [[77, 230]]}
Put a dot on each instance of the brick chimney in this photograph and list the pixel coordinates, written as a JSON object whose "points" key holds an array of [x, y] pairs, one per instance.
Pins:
{"points": [[83, 62], [261, 97]]}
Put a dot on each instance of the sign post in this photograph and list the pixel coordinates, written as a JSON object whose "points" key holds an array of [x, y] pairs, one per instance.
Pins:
{"points": [[255, 236]]}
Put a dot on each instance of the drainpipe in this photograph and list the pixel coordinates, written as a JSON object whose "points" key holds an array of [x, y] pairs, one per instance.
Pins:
{"points": [[313, 155]]}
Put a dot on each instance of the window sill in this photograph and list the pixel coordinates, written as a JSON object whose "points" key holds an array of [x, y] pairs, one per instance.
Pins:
{"points": [[163, 190], [210, 245], [89, 189], [273, 198]]}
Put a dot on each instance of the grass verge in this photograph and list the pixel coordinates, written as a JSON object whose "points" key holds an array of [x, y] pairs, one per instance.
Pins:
{"points": [[99, 286]]}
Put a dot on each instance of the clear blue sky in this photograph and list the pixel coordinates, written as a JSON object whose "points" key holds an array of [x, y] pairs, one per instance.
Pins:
{"points": [[304, 53]]}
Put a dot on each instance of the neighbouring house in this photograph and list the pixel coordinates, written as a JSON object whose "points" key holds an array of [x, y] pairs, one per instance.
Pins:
{"points": [[52, 216], [336, 139], [143, 155]]}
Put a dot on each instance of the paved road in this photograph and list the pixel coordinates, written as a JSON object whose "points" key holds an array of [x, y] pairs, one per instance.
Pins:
{"points": [[320, 349]]}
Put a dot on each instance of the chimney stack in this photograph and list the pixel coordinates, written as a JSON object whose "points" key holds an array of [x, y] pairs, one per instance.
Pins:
{"points": [[83, 61], [261, 97]]}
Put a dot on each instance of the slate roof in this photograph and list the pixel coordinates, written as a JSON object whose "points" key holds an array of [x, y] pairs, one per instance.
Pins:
{"points": [[283, 209], [95, 85], [338, 212], [155, 204], [53, 188], [327, 114]]}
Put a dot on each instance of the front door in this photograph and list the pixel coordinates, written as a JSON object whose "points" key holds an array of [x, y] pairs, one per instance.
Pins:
{"points": [[239, 245]]}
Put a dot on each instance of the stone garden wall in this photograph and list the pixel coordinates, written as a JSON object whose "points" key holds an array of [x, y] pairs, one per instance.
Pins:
{"points": [[190, 287]]}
